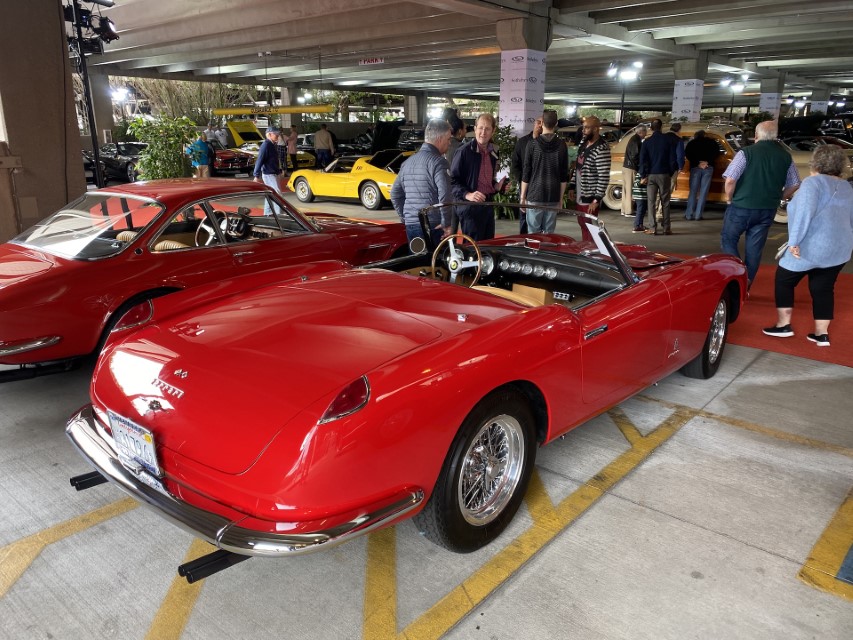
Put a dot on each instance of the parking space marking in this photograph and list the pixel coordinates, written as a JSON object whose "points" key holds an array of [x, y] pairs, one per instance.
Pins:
{"points": [[822, 567], [460, 601], [16, 557], [178, 605], [380, 586], [757, 428]]}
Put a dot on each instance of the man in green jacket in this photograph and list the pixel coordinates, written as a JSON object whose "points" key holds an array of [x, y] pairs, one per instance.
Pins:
{"points": [[757, 179]]}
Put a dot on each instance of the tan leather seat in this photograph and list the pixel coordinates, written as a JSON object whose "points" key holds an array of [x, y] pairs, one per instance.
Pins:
{"points": [[126, 236], [169, 245], [514, 296]]}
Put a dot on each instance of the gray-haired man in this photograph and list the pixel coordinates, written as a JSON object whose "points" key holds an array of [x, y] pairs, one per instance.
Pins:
{"points": [[423, 181]]}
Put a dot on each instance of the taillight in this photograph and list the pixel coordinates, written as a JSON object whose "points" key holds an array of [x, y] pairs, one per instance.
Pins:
{"points": [[135, 316], [353, 397]]}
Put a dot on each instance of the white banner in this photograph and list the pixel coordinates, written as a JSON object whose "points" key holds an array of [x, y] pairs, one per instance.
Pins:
{"points": [[522, 96], [687, 99], [819, 105], [771, 103]]}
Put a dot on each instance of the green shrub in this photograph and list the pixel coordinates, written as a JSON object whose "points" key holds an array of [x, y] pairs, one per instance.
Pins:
{"points": [[167, 140]]}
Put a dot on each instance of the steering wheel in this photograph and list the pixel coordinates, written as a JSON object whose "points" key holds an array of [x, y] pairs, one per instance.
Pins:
{"points": [[456, 262], [209, 230]]}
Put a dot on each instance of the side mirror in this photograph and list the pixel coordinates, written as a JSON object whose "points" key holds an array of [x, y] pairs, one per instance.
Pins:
{"points": [[417, 246]]}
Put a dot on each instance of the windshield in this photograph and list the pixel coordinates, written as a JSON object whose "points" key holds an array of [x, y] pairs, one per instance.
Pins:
{"points": [[87, 228]]}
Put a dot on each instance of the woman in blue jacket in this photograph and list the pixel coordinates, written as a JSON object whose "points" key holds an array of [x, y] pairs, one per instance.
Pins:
{"points": [[820, 243]]}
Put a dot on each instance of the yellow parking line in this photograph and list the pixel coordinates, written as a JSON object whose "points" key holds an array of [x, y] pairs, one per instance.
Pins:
{"points": [[172, 617], [829, 552], [380, 586], [446, 613], [757, 428], [17, 556], [631, 433]]}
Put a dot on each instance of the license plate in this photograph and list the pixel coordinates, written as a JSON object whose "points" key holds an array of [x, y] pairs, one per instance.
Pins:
{"points": [[241, 175], [135, 443]]}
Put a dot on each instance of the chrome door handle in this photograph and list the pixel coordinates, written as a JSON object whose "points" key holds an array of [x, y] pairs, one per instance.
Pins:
{"points": [[595, 332], [240, 254]]}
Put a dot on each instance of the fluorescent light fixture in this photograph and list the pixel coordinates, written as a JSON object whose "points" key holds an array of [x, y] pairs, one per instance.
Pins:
{"points": [[725, 82], [626, 75], [737, 87]]}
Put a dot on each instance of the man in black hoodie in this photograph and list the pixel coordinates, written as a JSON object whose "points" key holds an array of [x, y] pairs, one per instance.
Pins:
{"points": [[544, 176]]}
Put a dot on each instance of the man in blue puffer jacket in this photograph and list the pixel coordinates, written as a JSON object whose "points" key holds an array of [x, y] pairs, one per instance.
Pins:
{"points": [[423, 181]]}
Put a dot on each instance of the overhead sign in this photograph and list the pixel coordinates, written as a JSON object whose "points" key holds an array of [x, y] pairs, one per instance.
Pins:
{"points": [[249, 111], [365, 61]]}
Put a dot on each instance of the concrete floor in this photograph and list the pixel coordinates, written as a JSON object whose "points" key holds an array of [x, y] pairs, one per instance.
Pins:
{"points": [[698, 509]]}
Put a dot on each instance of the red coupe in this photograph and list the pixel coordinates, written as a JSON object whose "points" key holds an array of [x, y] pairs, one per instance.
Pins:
{"points": [[369, 395], [66, 281]]}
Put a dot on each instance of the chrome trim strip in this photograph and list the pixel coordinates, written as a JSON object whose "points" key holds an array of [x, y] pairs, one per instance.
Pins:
{"points": [[93, 444], [37, 343]]}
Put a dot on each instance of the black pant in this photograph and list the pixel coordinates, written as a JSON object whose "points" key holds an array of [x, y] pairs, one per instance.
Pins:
{"points": [[821, 288]]}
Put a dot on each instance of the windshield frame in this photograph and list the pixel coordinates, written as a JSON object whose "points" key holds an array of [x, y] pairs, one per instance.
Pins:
{"points": [[51, 229]]}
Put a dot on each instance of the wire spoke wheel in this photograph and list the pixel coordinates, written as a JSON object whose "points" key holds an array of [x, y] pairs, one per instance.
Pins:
{"points": [[491, 470]]}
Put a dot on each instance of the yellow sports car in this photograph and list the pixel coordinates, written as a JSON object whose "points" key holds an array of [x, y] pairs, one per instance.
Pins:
{"points": [[365, 178], [303, 159]]}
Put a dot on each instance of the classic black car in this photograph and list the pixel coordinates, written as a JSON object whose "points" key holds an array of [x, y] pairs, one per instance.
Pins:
{"points": [[119, 160]]}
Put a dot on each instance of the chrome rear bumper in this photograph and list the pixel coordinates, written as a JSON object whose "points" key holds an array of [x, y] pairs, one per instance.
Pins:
{"points": [[95, 445]]}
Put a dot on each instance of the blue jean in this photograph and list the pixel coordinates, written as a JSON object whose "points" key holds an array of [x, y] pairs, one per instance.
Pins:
{"points": [[700, 182], [324, 157], [640, 216], [541, 220], [753, 224]]}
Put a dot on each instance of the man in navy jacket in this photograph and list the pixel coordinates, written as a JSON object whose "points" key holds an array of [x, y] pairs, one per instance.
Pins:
{"points": [[657, 164]]}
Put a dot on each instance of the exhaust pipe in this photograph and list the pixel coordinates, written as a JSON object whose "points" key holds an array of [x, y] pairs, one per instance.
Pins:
{"points": [[205, 566], [87, 480]]}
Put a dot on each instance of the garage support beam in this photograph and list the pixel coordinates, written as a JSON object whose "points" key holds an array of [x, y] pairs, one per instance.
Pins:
{"points": [[102, 105], [38, 115]]}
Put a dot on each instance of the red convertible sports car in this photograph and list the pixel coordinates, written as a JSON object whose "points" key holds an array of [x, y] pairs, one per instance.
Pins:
{"points": [[66, 281], [422, 388]]}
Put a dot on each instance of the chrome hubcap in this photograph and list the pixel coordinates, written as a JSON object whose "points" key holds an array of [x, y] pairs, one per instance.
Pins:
{"points": [[718, 332], [491, 470]]}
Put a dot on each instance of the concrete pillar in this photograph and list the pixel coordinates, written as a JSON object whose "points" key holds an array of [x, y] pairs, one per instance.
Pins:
{"points": [[102, 105], [523, 42], [37, 115], [288, 98], [771, 95], [689, 87], [820, 101], [415, 108]]}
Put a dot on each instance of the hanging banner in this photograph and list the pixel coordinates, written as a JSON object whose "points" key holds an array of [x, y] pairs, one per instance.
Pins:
{"points": [[522, 96], [771, 103], [687, 99]]}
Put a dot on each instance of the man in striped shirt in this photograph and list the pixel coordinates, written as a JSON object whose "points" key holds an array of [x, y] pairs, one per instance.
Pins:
{"points": [[593, 168]]}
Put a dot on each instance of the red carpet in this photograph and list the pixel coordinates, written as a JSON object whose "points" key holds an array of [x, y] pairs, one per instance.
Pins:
{"points": [[760, 311]]}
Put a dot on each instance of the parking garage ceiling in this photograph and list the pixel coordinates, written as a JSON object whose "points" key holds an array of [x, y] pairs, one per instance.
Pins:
{"points": [[450, 47]]}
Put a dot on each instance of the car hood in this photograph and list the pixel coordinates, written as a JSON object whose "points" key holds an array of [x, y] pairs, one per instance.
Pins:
{"points": [[18, 264], [226, 378]]}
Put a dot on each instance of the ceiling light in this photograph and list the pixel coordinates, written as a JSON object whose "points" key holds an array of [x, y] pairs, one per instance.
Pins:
{"points": [[725, 82], [105, 28], [628, 74], [612, 70], [789, 100], [737, 87], [800, 103]]}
